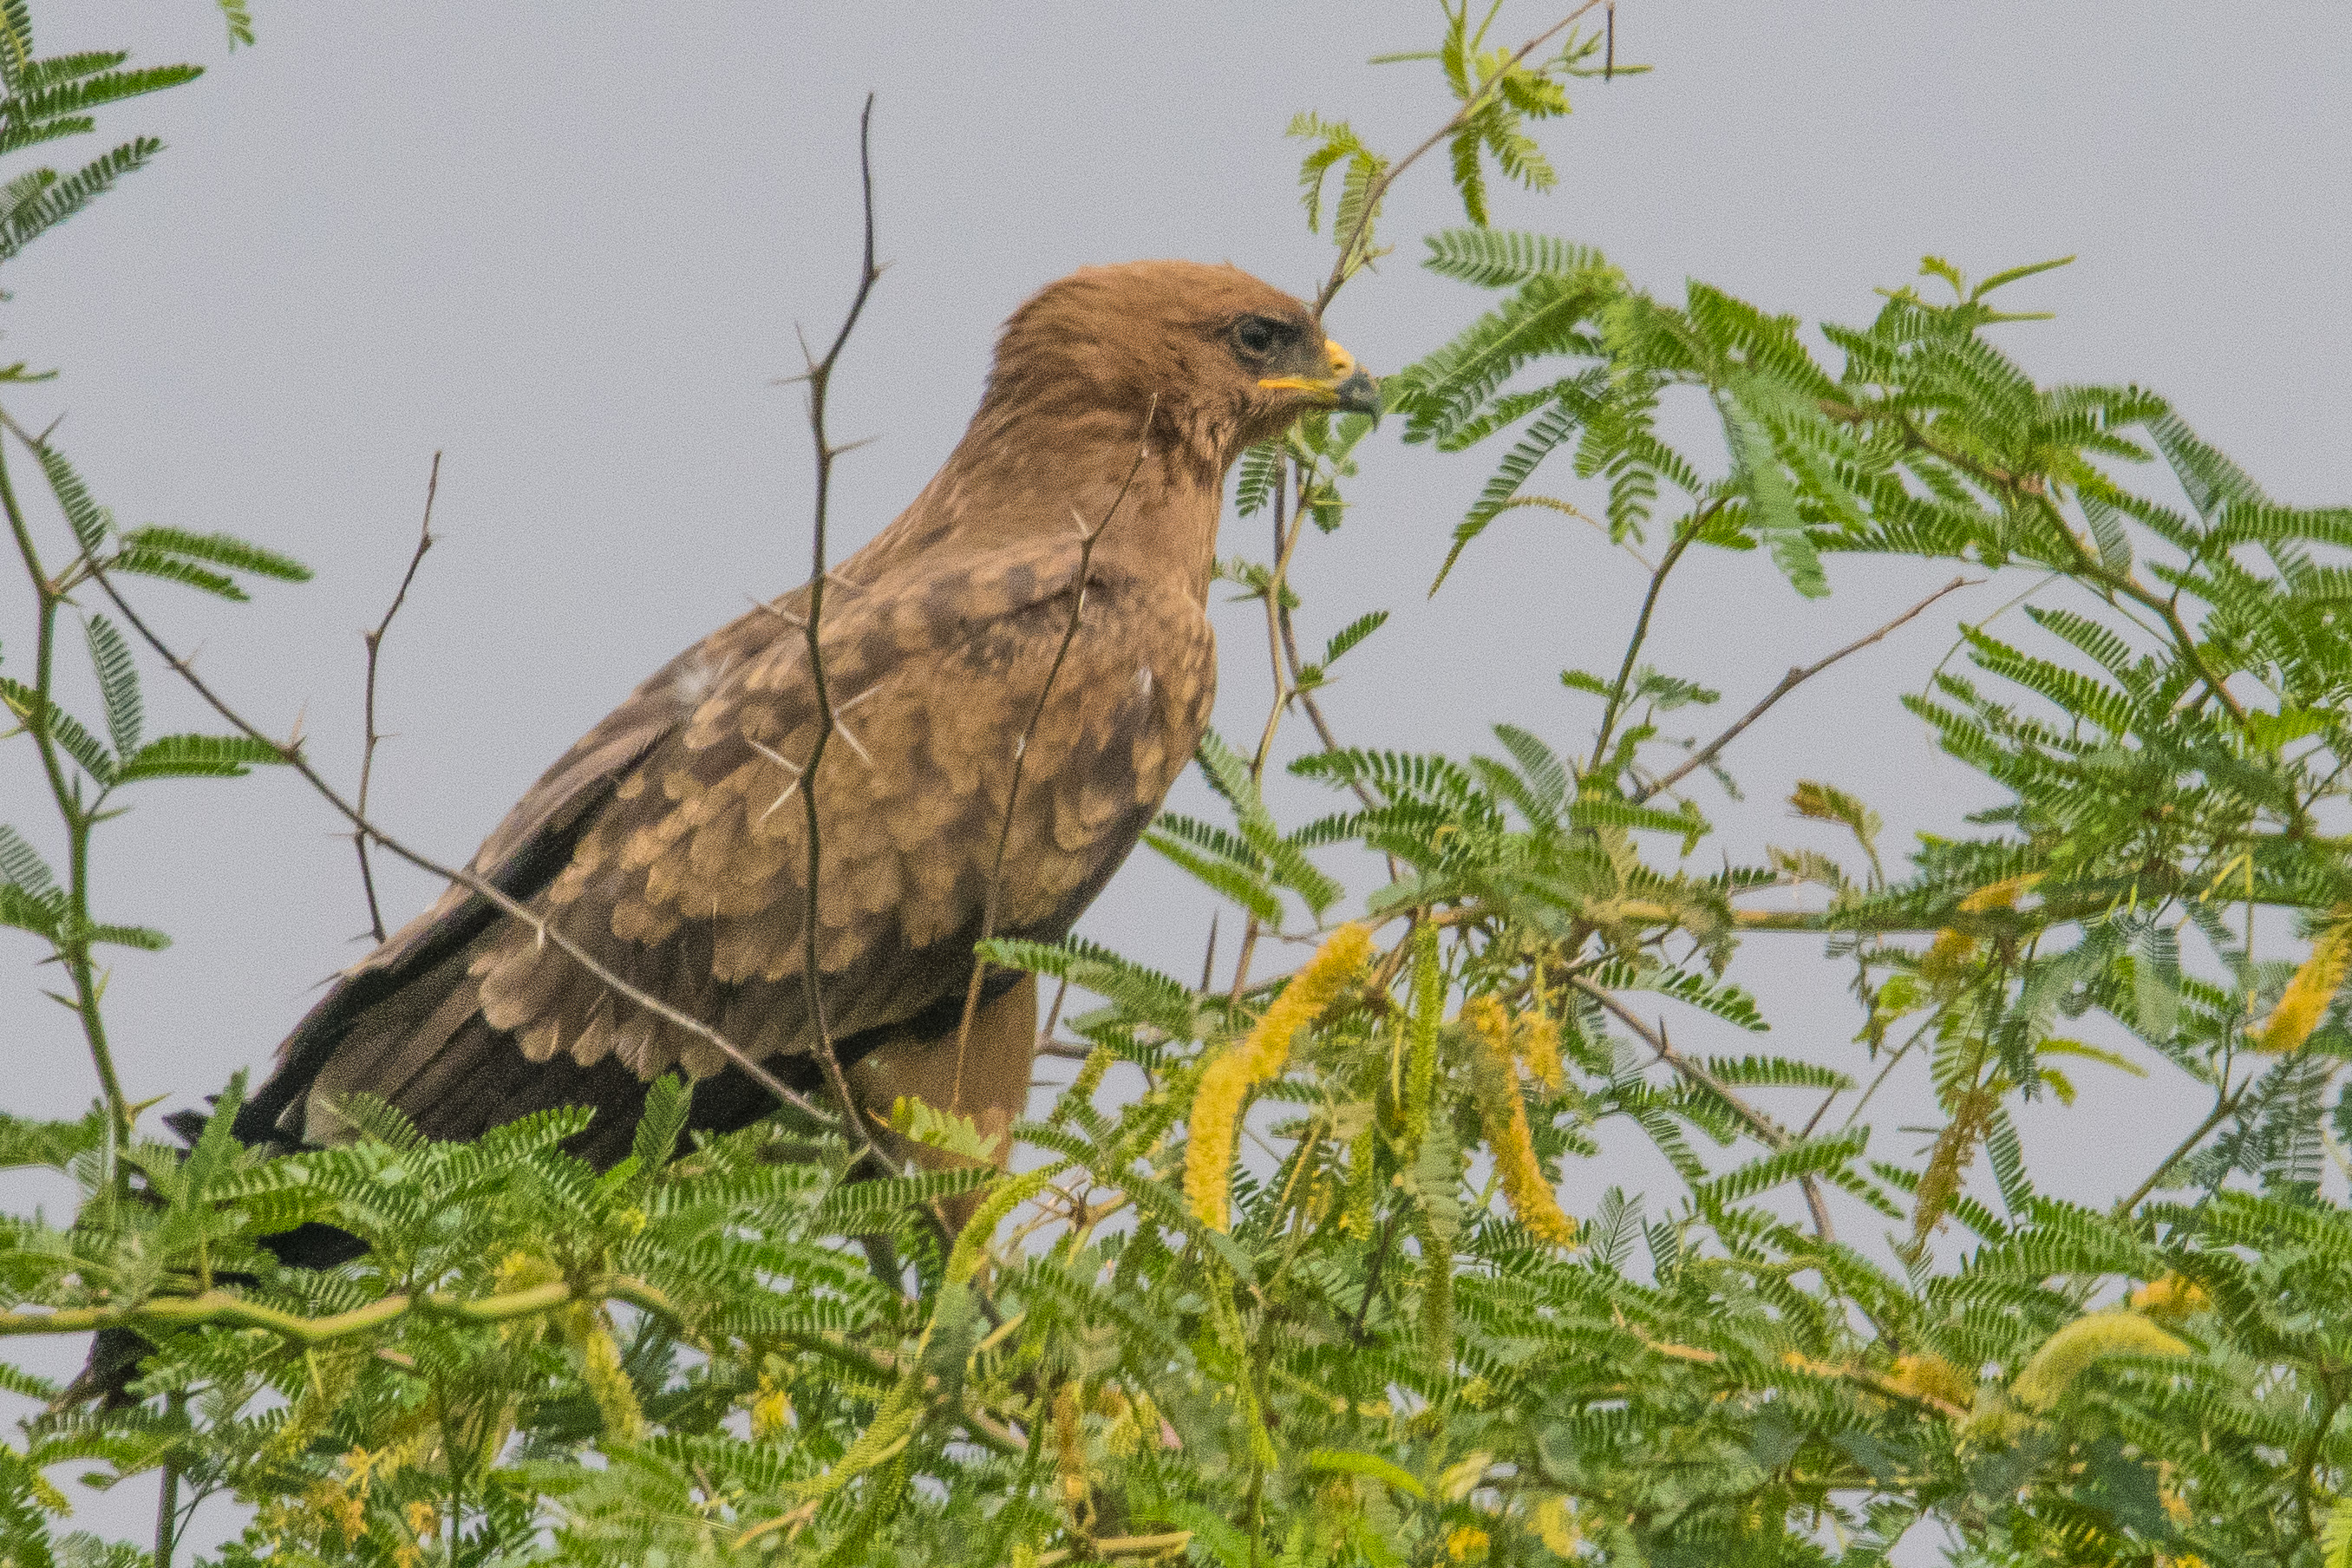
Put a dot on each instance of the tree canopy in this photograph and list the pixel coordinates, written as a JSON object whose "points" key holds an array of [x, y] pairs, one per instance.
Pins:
{"points": [[1304, 1293]]}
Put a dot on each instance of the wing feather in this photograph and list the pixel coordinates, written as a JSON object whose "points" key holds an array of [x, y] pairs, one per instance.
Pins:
{"points": [[682, 834]]}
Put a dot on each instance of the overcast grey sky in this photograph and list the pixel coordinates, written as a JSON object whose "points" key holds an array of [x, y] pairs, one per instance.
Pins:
{"points": [[567, 247]]}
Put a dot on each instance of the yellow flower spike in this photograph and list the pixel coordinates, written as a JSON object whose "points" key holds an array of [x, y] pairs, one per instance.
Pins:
{"points": [[1226, 1081], [1467, 1544], [1506, 1118], [1931, 1376], [2170, 1298], [772, 1412], [1363, 1175], [600, 1370], [1090, 1073], [2001, 895], [1539, 1049], [1948, 955], [2314, 985], [1557, 1526], [2073, 1349]]}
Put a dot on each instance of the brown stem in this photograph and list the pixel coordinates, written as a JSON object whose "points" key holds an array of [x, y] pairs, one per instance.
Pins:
{"points": [[819, 377], [2036, 491], [1789, 682], [2223, 1105], [374, 641], [1771, 1132], [1616, 704]]}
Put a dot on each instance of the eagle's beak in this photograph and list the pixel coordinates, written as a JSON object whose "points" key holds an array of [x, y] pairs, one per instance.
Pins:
{"points": [[1349, 390]]}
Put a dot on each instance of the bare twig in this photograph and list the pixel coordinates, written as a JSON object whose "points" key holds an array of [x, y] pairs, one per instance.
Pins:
{"points": [[1087, 540], [1789, 682], [1624, 683], [1350, 258], [2223, 1105], [819, 378], [374, 641], [1771, 1132], [1286, 544]]}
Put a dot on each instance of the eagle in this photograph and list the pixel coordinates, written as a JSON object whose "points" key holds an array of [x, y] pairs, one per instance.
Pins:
{"points": [[1020, 665]]}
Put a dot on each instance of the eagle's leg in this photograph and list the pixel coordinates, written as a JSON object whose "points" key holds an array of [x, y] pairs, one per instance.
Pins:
{"points": [[992, 1087]]}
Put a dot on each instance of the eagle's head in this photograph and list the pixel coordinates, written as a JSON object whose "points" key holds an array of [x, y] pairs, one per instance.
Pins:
{"points": [[1217, 358]]}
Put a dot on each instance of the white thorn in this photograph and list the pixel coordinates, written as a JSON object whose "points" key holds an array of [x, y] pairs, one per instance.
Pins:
{"points": [[780, 800]]}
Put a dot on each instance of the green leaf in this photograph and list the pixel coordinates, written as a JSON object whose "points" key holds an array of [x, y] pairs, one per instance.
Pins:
{"points": [[856, 1207], [219, 550], [1502, 259], [1776, 1072], [1354, 631], [90, 521], [667, 1099], [1345, 1462], [42, 914], [118, 682], [173, 569], [238, 17], [27, 219], [1805, 1157], [63, 729], [1165, 1003], [21, 865], [1258, 477], [197, 757]]}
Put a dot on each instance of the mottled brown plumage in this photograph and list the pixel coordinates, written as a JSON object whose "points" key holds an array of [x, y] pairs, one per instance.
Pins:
{"points": [[671, 843]]}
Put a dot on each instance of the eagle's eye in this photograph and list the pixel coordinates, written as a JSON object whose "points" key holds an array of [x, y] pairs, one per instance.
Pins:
{"points": [[1257, 336]]}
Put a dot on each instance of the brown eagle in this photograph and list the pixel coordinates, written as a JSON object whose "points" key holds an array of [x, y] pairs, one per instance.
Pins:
{"points": [[671, 843]]}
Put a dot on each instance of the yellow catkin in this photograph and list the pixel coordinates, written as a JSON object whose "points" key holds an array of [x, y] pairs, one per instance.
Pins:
{"points": [[1070, 1449], [1539, 1049], [1948, 955], [1467, 1544], [1421, 1065], [2001, 895], [772, 1412], [1506, 1118], [2074, 1349], [600, 1370], [1931, 1376], [1090, 1073], [2314, 985], [1226, 1081], [1363, 1181], [2170, 1298], [1557, 1526]]}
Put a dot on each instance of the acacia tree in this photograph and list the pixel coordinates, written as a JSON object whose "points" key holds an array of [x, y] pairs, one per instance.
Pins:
{"points": [[1389, 1344]]}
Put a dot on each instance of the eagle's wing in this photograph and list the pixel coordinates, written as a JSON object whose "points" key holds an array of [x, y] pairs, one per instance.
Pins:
{"points": [[672, 843]]}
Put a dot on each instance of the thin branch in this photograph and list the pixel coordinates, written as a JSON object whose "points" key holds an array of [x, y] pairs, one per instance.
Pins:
{"points": [[1350, 258], [1087, 540], [1285, 544], [2223, 1105], [39, 722], [1617, 690], [374, 641], [1771, 1132], [221, 1310], [1789, 682], [819, 377], [480, 887]]}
